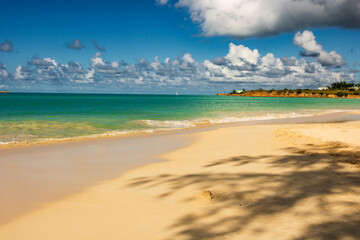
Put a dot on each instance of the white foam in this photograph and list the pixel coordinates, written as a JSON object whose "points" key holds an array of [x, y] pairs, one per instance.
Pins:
{"points": [[236, 117], [4, 143], [168, 123]]}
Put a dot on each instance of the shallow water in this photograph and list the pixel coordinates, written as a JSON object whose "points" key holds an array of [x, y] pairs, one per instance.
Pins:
{"points": [[27, 117]]}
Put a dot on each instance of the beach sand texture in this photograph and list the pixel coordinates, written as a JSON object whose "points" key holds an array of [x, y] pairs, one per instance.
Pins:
{"points": [[297, 181]]}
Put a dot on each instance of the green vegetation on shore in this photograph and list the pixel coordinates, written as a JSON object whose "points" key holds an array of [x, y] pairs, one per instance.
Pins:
{"points": [[338, 89]]}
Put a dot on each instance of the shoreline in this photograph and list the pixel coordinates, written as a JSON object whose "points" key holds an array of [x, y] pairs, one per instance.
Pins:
{"points": [[155, 132], [295, 168], [75, 151]]}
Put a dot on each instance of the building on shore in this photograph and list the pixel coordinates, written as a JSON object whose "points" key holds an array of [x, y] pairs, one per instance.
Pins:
{"points": [[238, 91], [322, 88]]}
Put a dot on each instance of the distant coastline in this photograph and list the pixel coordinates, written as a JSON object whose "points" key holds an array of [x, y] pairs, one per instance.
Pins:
{"points": [[294, 94], [336, 90]]}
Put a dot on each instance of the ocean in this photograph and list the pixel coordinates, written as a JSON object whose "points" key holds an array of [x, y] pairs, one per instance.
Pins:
{"points": [[31, 117]]}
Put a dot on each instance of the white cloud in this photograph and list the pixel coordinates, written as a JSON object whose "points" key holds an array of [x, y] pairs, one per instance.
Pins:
{"points": [[188, 58], [241, 55], [254, 18], [52, 61], [115, 64], [90, 75], [307, 41], [97, 61], [43, 62], [332, 59], [19, 73], [3, 72]]}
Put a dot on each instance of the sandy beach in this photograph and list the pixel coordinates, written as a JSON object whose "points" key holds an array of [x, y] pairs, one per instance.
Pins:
{"points": [[180, 120], [265, 181]]}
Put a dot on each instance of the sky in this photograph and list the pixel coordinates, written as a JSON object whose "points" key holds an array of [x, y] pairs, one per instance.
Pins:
{"points": [[184, 46]]}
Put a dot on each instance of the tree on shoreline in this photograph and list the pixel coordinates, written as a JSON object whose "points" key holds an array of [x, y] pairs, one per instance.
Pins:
{"points": [[341, 85]]}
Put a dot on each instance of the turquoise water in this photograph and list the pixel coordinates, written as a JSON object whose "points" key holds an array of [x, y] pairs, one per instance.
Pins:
{"points": [[33, 117]]}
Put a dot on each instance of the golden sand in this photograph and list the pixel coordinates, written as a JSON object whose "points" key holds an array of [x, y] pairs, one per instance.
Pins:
{"points": [[245, 182]]}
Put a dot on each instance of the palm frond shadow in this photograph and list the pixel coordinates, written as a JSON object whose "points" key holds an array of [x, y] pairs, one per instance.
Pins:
{"points": [[270, 193]]}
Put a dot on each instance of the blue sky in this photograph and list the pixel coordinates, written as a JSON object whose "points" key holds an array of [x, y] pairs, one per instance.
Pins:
{"points": [[134, 30]]}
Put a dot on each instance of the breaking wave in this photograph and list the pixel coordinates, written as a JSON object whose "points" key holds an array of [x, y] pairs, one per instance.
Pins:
{"points": [[239, 117]]}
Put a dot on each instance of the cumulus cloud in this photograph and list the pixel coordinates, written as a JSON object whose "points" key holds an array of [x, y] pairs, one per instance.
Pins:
{"points": [[239, 67], [254, 18], [242, 57], [3, 72], [45, 68], [5, 77], [307, 41], [42, 62], [75, 44], [22, 73], [6, 46]]}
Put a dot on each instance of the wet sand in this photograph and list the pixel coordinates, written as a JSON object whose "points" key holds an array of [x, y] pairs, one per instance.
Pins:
{"points": [[266, 181], [34, 175]]}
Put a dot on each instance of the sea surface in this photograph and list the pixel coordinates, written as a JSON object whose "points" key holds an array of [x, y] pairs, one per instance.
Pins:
{"points": [[31, 117]]}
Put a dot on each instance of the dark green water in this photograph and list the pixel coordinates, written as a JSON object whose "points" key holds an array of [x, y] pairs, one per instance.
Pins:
{"points": [[30, 116]]}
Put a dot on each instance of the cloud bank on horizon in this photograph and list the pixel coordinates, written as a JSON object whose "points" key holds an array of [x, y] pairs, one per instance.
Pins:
{"points": [[260, 18], [241, 66]]}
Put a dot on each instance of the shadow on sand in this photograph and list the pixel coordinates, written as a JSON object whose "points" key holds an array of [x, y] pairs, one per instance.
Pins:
{"points": [[314, 174]]}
